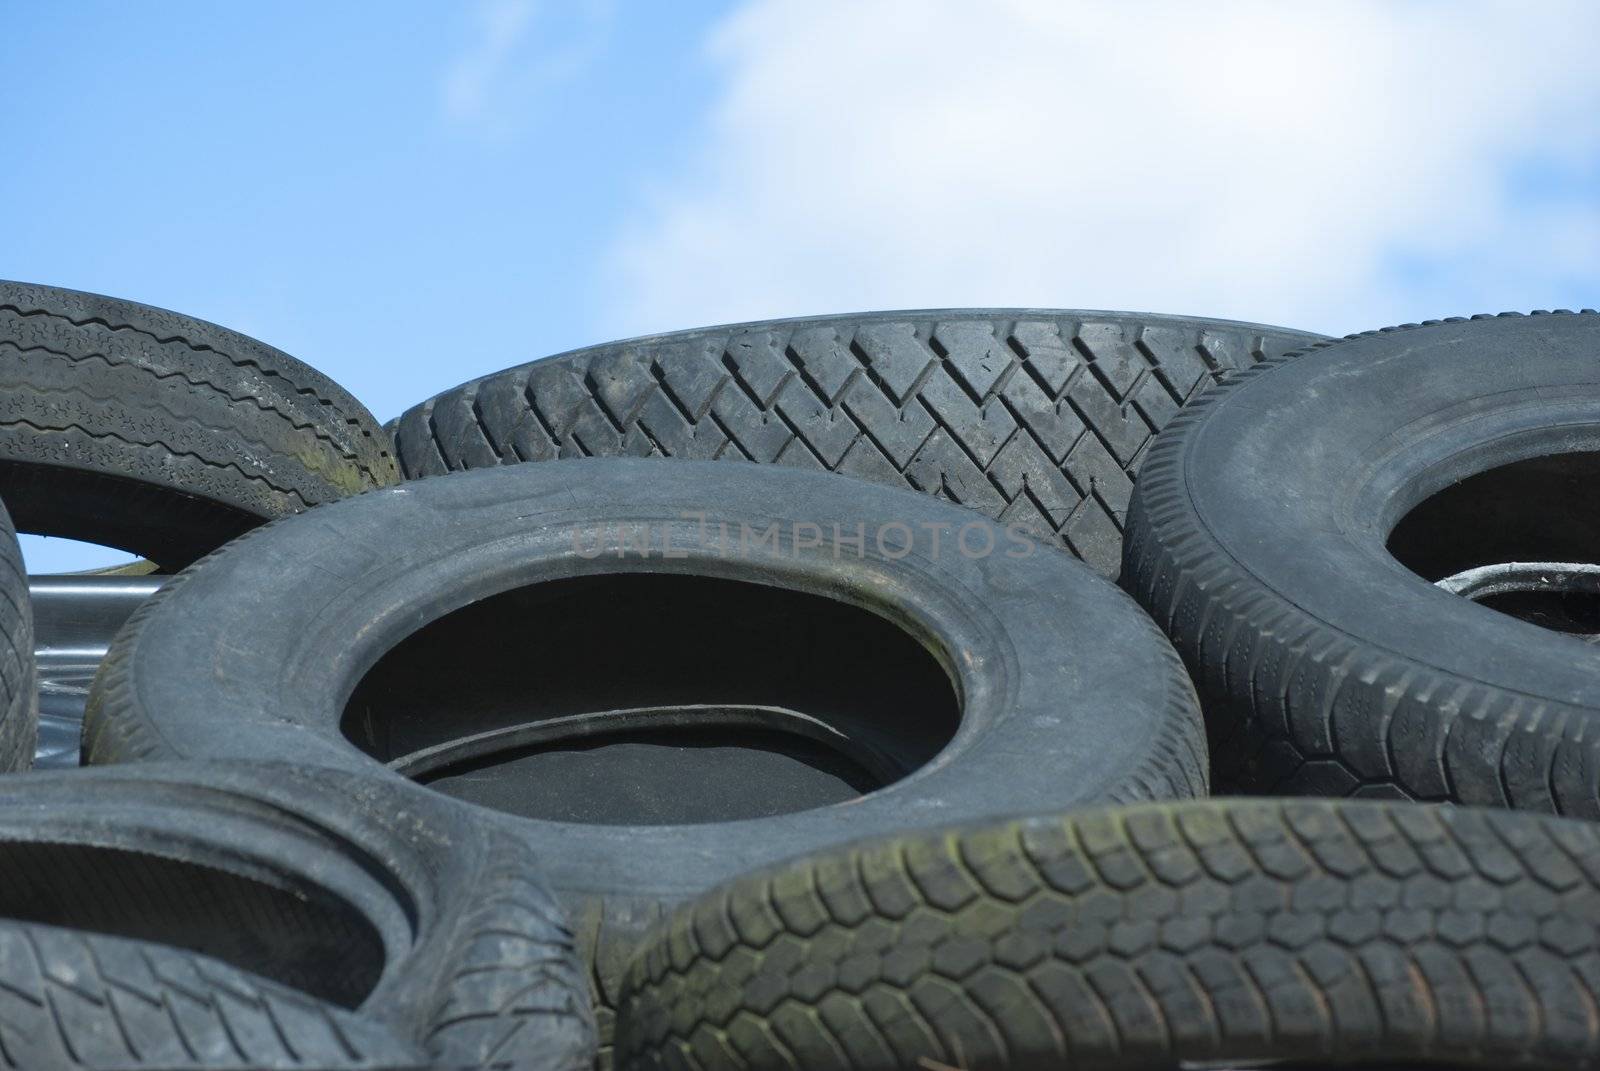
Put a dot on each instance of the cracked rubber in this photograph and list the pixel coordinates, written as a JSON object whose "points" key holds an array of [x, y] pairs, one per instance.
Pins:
{"points": [[1069, 694], [163, 435], [19, 695], [1035, 417], [272, 916], [1215, 934], [1258, 539]]}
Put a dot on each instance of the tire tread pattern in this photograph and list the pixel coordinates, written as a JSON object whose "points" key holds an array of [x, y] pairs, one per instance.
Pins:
{"points": [[511, 993], [1142, 937], [19, 694], [76, 1000], [1296, 706], [1034, 418], [129, 390]]}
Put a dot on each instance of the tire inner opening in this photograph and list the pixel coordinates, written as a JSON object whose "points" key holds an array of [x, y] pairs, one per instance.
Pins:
{"points": [[1540, 510], [651, 699], [296, 934], [159, 528], [53, 555]]}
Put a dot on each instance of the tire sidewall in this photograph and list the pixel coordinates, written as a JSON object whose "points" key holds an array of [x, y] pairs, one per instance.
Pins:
{"points": [[1300, 473], [1049, 660]]}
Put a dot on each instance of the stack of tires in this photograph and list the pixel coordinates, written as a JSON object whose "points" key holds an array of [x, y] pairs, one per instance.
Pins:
{"points": [[529, 731]]}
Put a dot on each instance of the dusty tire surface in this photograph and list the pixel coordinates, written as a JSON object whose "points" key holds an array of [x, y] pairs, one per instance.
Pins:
{"points": [[161, 434], [1054, 685], [19, 695], [1287, 531], [85, 1000], [269, 915], [1034, 416], [1325, 933]]}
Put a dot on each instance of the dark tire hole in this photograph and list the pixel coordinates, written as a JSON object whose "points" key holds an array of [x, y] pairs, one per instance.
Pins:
{"points": [[614, 780], [1574, 612], [618, 642], [117, 513], [1543, 509], [296, 934]]}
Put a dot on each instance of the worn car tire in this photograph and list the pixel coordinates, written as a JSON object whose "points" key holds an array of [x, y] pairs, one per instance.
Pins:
{"points": [[163, 435], [19, 695], [1210, 934], [1270, 536], [1034, 416], [78, 999], [1067, 691], [270, 915]]}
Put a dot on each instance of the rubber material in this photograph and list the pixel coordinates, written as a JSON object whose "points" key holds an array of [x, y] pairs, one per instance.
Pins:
{"points": [[1209, 934], [1259, 539], [441, 756], [1069, 693], [269, 915], [82, 1000], [163, 435], [19, 695], [1034, 416]]}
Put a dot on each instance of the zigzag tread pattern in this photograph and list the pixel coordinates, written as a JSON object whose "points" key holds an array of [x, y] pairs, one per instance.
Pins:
{"points": [[163, 327], [1202, 933], [1295, 706], [513, 997], [230, 398], [1035, 418], [74, 1000], [122, 440], [325, 446]]}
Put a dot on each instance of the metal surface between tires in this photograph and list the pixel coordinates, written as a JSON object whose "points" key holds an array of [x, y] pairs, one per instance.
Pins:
{"points": [[75, 617]]}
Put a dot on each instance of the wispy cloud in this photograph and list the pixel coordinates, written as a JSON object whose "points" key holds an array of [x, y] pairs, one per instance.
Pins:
{"points": [[517, 48], [1331, 166], [501, 27]]}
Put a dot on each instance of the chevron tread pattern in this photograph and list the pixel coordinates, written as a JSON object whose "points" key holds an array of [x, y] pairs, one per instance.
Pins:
{"points": [[75, 1000], [1039, 419], [514, 995]]}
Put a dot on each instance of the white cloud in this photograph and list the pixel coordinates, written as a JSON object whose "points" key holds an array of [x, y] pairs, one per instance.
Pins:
{"points": [[1334, 166], [506, 61], [501, 26]]}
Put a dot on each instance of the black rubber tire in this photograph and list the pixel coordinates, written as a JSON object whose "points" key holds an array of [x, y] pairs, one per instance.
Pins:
{"points": [[163, 435], [1070, 693], [83, 1000], [294, 917], [1258, 539], [19, 694], [1038, 416], [1222, 933]]}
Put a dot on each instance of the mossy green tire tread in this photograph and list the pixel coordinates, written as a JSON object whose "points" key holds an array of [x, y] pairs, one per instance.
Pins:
{"points": [[162, 434], [1320, 932]]}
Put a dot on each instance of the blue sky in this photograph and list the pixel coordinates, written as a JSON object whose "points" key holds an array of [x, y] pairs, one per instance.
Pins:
{"points": [[306, 172], [410, 194]]}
